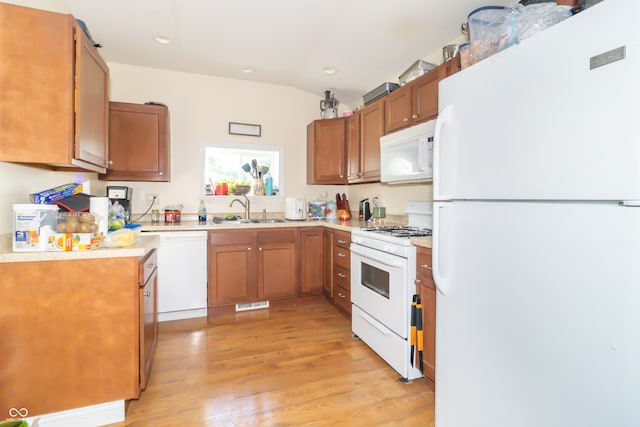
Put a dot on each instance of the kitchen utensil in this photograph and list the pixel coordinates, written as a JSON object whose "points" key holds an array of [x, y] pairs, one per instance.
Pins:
{"points": [[449, 52], [328, 106], [413, 330], [254, 167], [419, 331], [247, 168]]}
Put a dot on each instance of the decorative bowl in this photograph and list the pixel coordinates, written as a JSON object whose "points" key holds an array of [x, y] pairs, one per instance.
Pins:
{"points": [[241, 189]]}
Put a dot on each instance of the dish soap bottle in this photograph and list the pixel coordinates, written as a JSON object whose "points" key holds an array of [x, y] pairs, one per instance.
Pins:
{"points": [[202, 213]]}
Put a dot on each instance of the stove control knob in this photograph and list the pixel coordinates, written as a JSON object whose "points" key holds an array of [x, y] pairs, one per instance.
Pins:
{"points": [[390, 248]]}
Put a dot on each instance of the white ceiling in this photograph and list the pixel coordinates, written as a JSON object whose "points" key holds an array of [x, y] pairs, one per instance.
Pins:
{"points": [[287, 42]]}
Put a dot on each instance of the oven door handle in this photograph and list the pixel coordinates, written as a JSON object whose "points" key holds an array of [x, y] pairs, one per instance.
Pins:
{"points": [[372, 322], [373, 254]]}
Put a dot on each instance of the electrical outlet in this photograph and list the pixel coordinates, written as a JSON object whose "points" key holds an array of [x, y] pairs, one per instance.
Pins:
{"points": [[153, 198]]}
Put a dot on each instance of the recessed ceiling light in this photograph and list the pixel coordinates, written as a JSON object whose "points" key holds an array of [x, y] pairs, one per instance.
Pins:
{"points": [[248, 70], [329, 70], [159, 38]]}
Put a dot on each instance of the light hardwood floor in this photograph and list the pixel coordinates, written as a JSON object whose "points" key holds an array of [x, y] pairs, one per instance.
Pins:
{"points": [[289, 365]]}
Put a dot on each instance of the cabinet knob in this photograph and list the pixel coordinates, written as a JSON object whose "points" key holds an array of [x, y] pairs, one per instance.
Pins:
{"points": [[405, 120], [341, 176], [341, 295], [341, 255], [161, 173], [425, 266], [342, 276], [109, 163], [147, 294], [415, 116], [260, 249], [417, 281], [342, 242], [249, 249]]}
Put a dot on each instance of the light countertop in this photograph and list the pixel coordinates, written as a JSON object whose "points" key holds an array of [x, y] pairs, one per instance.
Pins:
{"points": [[147, 242]]}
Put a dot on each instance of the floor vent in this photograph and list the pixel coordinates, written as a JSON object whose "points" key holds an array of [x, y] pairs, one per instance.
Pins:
{"points": [[252, 306]]}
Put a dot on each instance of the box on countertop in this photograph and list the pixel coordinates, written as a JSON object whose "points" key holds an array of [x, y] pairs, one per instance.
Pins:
{"points": [[32, 226]]}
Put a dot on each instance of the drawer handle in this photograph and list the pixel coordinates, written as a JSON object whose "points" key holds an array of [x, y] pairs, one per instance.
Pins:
{"points": [[342, 242], [341, 295], [341, 255], [342, 276], [425, 266], [415, 116], [418, 281]]}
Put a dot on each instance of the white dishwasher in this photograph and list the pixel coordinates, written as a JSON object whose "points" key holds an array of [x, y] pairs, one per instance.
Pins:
{"points": [[182, 274]]}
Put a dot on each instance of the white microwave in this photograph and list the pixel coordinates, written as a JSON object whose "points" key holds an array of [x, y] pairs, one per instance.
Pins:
{"points": [[407, 155]]}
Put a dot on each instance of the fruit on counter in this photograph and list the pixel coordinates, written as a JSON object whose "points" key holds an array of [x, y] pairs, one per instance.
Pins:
{"points": [[77, 223], [230, 217], [116, 224]]}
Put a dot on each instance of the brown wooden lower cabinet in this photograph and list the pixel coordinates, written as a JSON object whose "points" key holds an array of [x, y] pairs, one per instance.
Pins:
{"points": [[312, 268], [342, 270], [427, 290], [148, 303], [70, 333], [251, 265]]}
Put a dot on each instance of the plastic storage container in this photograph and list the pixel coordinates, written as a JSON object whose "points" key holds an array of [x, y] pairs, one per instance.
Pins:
{"points": [[317, 210], [32, 226], [491, 28]]}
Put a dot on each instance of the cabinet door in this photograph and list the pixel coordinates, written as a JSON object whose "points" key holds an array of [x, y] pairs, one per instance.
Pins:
{"points": [[92, 103], [326, 152], [232, 267], [371, 129], [426, 287], [148, 326], [312, 261], [276, 270], [353, 147], [36, 81], [425, 96], [277, 263], [398, 109], [139, 148]]}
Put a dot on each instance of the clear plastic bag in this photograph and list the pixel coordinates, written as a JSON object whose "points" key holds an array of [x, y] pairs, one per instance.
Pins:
{"points": [[537, 17]]}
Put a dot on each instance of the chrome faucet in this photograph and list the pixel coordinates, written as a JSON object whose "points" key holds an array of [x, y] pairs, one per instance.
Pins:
{"points": [[246, 205]]}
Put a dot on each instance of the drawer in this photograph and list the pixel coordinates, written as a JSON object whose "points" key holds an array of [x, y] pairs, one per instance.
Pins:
{"points": [[424, 275], [342, 257], [342, 277], [342, 298], [342, 239]]}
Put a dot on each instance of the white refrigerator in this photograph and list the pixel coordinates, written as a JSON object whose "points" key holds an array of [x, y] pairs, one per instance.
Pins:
{"points": [[536, 240]]}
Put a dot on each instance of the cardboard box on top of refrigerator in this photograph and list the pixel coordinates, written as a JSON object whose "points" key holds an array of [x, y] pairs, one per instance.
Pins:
{"points": [[56, 193]]}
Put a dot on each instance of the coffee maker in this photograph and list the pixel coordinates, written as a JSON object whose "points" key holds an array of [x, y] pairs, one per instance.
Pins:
{"points": [[122, 195]]}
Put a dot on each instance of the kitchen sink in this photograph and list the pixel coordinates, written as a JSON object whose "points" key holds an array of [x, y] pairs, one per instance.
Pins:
{"points": [[224, 221]]}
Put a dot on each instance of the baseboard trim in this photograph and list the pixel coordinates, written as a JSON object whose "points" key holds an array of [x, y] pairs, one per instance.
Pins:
{"points": [[93, 415]]}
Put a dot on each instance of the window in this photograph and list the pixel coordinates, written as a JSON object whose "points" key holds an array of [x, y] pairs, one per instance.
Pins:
{"points": [[231, 164]]}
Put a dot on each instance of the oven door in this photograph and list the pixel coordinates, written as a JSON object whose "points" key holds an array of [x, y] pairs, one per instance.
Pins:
{"points": [[379, 287]]}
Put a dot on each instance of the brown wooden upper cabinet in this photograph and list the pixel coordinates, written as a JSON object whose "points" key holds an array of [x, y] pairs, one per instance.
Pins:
{"points": [[56, 113], [139, 147], [326, 152], [367, 153], [417, 101]]}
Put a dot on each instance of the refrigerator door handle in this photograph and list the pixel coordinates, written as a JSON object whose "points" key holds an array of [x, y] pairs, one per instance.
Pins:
{"points": [[444, 117], [438, 276]]}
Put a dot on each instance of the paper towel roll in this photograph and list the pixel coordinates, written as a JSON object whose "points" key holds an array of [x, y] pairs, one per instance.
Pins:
{"points": [[99, 206]]}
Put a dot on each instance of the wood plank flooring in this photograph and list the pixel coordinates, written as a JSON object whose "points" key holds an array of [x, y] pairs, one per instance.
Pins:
{"points": [[290, 365]]}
